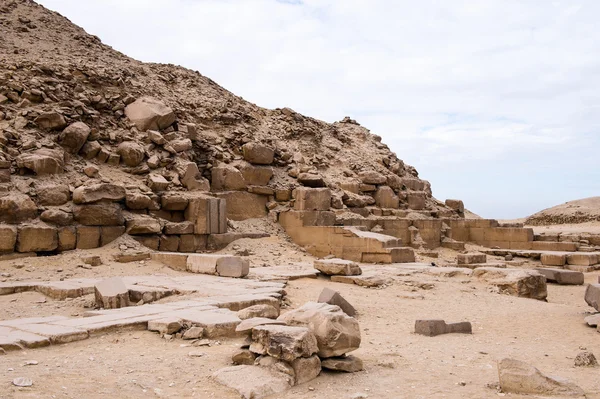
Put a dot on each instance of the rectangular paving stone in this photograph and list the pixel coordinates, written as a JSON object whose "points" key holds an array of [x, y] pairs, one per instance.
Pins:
{"points": [[561, 276], [56, 334], [215, 323]]}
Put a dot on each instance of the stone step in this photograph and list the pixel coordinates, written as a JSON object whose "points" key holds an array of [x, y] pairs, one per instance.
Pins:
{"points": [[561, 276]]}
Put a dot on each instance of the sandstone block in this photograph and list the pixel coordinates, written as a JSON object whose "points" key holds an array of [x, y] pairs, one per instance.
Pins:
{"points": [[306, 369], [431, 328], [8, 238], [336, 332], [347, 364], [263, 310], [16, 208], [100, 214], [332, 297], [257, 153], [561, 276], [111, 293], [149, 113], [470, 259], [74, 137], [283, 342], [312, 199], [88, 237], [98, 192], [553, 259], [521, 378], [340, 267], [37, 238]]}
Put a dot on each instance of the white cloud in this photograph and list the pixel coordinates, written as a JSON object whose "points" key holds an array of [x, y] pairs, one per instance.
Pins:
{"points": [[494, 101]]}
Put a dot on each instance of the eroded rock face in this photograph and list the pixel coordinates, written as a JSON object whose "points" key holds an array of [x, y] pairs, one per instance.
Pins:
{"points": [[150, 113], [519, 377], [336, 332], [98, 192], [42, 162], [283, 342]]}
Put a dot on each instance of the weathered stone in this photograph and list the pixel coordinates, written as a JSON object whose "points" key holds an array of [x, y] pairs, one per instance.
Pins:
{"points": [[74, 137], [553, 259], [256, 175], [193, 333], [191, 178], [283, 342], [169, 243], [312, 199], [332, 297], [311, 180], [149, 113], [226, 177], [57, 217], [592, 296], [585, 359], [138, 201], [141, 224], [92, 260], [42, 162], [386, 198], [243, 356], [98, 192], [470, 259], [52, 195], [90, 149], [16, 208], [242, 205], [522, 283], [582, 259], [257, 153], [37, 238], [266, 311], [179, 228], [181, 145], [416, 201], [521, 378], [51, 121], [132, 153], [88, 237], [67, 238], [91, 171], [157, 183], [253, 382], [174, 201], [431, 328], [111, 293], [341, 267], [372, 177], [8, 238], [347, 364], [100, 214], [110, 233], [208, 215], [336, 332], [166, 325], [247, 325], [456, 205], [306, 369], [561, 276]]}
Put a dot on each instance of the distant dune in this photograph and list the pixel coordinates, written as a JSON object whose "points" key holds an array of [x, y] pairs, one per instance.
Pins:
{"points": [[578, 211]]}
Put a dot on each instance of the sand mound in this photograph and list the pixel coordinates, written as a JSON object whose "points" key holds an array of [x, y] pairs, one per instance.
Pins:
{"points": [[578, 211]]}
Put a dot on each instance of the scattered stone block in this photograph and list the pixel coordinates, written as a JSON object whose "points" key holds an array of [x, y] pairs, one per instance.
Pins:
{"points": [[582, 259], [468, 259], [111, 293], [592, 296], [585, 359], [347, 364], [166, 325], [561, 276], [339, 267], [266, 311], [306, 369], [98, 192], [193, 333], [311, 180], [243, 357], [92, 260], [283, 342], [253, 382], [553, 259], [148, 113], [432, 328], [332, 297], [521, 378], [336, 332]]}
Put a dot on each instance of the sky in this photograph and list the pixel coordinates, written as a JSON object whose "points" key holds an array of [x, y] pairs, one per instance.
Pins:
{"points": [[495, 102]]}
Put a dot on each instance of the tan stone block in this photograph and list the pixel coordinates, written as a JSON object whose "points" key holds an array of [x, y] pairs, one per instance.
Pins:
{"points": [[149, 241], [168, 243], [553, 259], [88, 237], [312, 199], [8, 238], [582, 259], [242, 205], [37, 238], [67, 238], [416, 201], [226, 178], [110, 233]]}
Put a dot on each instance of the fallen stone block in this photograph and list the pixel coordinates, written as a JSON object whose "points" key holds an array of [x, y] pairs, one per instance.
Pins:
{"points": [[341, 267], [306, 369], [223, 265], [253, 382], [283, 342], [553, 259], [37, 238], [332, 297], [266, 311], [521, 283], [336, 332], [193, 333], [468, 259], [243, 357], [111, 294], [432, 328], [217, 323], [582, 259], [561, 276], [347, 364], [368, 281], [166, 325], [521, 378], [592, 296], [92, 260]]}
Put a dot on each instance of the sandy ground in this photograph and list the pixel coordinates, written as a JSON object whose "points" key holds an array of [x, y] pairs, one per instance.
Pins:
{"points": [[398, 363]]}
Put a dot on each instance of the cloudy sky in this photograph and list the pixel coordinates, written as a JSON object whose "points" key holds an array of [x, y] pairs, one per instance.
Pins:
{"points": [[496, 102]]}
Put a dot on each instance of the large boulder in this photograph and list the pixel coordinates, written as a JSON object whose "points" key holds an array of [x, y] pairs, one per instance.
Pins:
{"points": [[74, 137], [336, 332], [17, 208], [51, 121], [149, 113], [257, 153], [132, 154], [521, 378], [283, 342], [98, 192], [42, 162]]}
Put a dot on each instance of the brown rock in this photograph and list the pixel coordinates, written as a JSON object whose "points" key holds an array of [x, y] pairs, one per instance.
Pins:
{"points": [[311, 180], [306, 369], [179, 228], [138, 201], [132, 154], [243, 356], [181, 145], [74, 137], [111, 293], [266, 311], [592, 296], [149, 113], [42, 162], [8, 238], [372, 177], [51, 121], [174, 201], [16, 208], [98, 192], [257, 153], [165, 325], [332, 297], [431, 328], [157, 183], [100, 214], [55, 194], [585, 359], [37, 238], [225, 178], [142, 224], [347, 364], [90, 149], [57, 217]]}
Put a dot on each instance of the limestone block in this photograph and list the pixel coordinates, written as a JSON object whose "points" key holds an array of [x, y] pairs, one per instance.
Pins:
{"points": [[100, 214], [165, 325], [306, 369], [553, 259], [110, 233], [253, 382], [312, 199], [37, 238], [111, 293], [561, 276], [256, 175], [142, 224], [341, 267], [263, 310], [582, 259], [242, 205], [521, 283], [149, 113], [416, 200], [431, 328], [74, 137], [332, 297], [283, 342], [257, 153], [98, 192], [521, 378], [8, 238], [88, 237], [469, 259], [67, 238], [347, 364], [208, 214], [226, 178], [168, 243], [386, 198], [16, 208]]}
